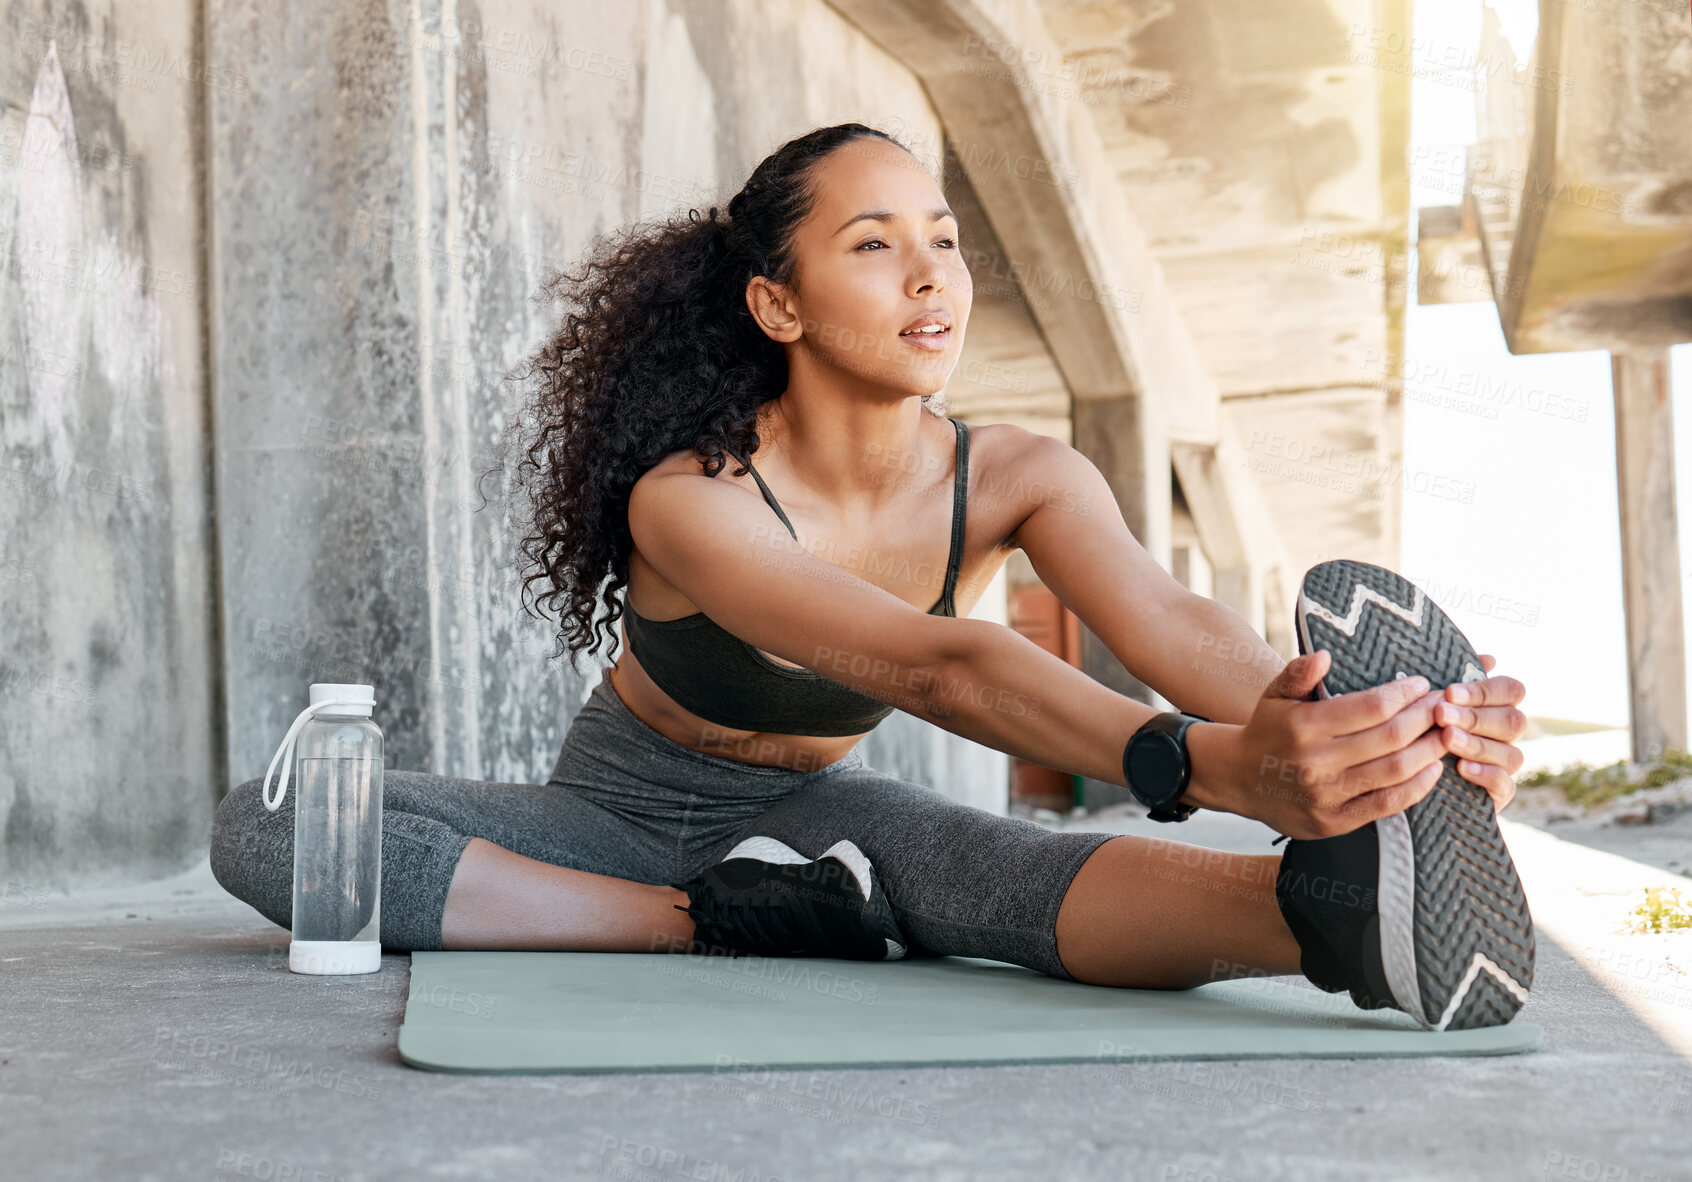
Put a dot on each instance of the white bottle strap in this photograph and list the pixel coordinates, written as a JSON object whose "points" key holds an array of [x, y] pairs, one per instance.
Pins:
{"points": [[285, 753]]}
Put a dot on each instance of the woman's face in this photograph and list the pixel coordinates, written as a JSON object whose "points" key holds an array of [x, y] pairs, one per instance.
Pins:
{"points": [[862, 282]]}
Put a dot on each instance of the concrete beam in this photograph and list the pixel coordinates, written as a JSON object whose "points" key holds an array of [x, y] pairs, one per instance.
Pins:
{"points": [[1583, 173], [1036, 160], [1650, 550]]}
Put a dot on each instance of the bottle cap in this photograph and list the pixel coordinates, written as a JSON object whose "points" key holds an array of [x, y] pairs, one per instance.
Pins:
{"points": [[357, 700]]}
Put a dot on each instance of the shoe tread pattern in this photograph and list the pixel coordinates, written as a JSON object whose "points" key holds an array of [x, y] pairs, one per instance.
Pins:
{"points": [[1468, 895]]}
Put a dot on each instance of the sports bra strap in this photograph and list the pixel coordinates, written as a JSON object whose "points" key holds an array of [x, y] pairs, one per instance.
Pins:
{"points": [[960, 498], [768, 495]]}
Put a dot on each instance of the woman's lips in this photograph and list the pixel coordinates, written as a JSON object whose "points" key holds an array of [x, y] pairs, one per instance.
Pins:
{"points": [[932, 341]]}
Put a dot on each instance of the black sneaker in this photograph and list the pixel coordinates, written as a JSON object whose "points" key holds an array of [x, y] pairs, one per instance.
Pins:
{"points": [[766, 899], [1421, 911]]}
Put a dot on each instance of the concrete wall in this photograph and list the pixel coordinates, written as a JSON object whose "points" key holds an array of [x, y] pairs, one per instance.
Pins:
{"points": [[110, 746], [383, 188]]}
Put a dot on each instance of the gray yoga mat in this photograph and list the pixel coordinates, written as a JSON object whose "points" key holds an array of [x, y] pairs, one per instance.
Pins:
{"points": [[497, 1012]]}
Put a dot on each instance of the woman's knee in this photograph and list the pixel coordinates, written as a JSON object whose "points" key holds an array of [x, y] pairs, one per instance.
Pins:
{"points": [[252, 850], [233, 832]]}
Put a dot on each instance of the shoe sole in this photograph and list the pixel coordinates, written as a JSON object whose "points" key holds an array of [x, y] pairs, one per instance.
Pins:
{"points": [[1457, 940], [878, 916]]}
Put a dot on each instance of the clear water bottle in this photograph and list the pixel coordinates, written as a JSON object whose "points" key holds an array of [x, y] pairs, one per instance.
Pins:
{"points": [[337, 830]]}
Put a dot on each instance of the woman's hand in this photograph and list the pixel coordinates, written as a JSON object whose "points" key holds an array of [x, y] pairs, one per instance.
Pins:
{"points": [[1318, 769], [1479, 723]]}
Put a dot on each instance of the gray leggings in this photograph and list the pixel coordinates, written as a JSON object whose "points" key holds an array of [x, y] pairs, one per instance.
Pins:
{"points": [[626, 801]]}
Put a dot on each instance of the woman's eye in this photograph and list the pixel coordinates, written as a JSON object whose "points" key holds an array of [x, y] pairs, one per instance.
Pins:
{"points": [[878, 242]]}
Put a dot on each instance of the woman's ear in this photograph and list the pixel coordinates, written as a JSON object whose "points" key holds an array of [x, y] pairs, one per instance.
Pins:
{"points": [[771, 306]]}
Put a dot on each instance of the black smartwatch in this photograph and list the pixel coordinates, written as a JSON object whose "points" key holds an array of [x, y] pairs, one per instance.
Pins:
{"points": [[1156, 767]]}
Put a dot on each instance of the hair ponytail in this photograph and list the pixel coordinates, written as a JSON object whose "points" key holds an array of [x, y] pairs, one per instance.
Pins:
{"points": [[656, 351]]}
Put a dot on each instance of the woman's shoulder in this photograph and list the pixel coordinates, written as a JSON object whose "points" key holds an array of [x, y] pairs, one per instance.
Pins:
{"points": [[686, 461], [686, 464], [1002, 447], [1011, 467]]}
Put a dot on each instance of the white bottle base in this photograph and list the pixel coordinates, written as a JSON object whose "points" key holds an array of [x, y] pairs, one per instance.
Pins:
{"points": [[334, 956]]}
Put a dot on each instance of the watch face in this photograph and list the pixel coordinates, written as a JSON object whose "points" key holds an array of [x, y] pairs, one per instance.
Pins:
{"points": [[1154, 767]]}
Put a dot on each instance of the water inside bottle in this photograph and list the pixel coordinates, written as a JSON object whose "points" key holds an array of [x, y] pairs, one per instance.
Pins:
{"points": [[337, 849]]}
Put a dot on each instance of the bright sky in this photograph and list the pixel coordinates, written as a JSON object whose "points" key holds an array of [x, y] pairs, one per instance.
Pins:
{"points": [[1531, 569]]}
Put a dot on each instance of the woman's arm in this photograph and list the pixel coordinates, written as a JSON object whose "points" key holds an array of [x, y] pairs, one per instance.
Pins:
{"points": [[1308, 769], [1228, 664], [1199, 654]]}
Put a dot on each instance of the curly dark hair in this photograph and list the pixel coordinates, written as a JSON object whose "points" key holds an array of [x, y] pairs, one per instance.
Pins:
{"points": [[656, 351]]}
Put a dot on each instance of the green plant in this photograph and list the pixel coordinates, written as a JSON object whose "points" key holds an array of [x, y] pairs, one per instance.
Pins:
{"points": [[1585, 785], [1673, 765], [1660, 914]]}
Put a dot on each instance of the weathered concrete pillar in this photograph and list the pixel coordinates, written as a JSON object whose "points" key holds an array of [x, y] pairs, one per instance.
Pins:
{"points": [[1650, 550], [110, 750]]}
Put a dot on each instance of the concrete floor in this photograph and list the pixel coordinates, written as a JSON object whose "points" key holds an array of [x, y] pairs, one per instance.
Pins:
{"points": [[156, 1033]]}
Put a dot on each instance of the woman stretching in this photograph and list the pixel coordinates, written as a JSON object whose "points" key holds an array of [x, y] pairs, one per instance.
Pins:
{"points": [[779, 606]]}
